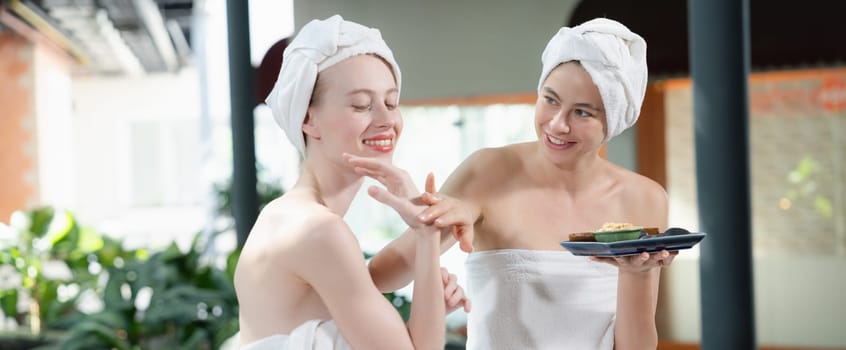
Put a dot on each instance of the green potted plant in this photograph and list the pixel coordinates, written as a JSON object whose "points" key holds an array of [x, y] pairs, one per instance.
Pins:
{"points": [[43, 264]]}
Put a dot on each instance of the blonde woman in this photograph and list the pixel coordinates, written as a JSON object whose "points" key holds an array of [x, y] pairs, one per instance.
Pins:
{"points": [[301, 279]]}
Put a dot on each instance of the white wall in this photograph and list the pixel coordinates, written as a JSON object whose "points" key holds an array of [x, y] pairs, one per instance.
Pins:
{"points": [[138, 156], [458, 48], [798, 301], [53, 125]]}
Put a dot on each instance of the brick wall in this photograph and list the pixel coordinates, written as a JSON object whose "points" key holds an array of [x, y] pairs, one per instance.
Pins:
{"points": [[17, 125]]}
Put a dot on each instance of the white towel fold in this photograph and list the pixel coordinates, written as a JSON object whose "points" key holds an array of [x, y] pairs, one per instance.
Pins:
{"points": [[529, 299], [320, 44], [311, 335], [615, 58]]}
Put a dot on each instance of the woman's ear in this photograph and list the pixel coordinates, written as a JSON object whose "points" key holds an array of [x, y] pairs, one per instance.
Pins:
{"points": [[309, 127]]}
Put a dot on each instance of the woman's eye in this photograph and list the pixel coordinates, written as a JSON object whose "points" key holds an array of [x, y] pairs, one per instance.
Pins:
{"points": [[552, 101], [361, 108], [583, 113], [390, 106]]}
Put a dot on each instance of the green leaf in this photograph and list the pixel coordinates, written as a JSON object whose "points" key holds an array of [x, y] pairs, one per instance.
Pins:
{"points": [[114, 319], [56, 312], [40, 221], [46, 293], [89, 241], [112, 249], [62, 229], [226, 329], [197, 338], [221, 282], [142, 254], [89, 332], [807, 167], [171, 253], [823, 206], [401, 303], [176, 312], [9, 302], [232, 262], [112, 295]]}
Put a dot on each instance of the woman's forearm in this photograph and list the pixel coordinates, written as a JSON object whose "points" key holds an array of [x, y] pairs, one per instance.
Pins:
{"points": [[637, 295], [392, 268], [426, 323]]}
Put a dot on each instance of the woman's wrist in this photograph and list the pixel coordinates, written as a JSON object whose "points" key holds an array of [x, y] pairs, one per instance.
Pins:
{"points": [[636, 275], [426, 231]]}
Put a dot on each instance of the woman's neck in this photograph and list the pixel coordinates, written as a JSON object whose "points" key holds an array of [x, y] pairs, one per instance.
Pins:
{"points": [[573, 177], [332, 185]]}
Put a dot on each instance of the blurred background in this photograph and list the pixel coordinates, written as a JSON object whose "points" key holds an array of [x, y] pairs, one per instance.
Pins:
{"points": [[117, 151]]}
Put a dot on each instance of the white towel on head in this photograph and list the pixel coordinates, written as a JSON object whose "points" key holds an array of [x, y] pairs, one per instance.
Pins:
{"points": [[311, 335], [615, 58], [320, 44], [531, 299]]}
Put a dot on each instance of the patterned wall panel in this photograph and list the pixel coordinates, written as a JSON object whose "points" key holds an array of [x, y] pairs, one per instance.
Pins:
{"points": [[798, 163]]}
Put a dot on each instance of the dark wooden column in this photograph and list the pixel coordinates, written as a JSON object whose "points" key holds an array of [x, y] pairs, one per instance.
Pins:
{"points": [[719, 65]]}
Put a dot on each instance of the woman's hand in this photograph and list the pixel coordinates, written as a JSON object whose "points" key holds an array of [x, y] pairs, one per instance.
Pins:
{"points": [[452, 214], [399, 192], [396, 180], [453, 293], [640, 263]]}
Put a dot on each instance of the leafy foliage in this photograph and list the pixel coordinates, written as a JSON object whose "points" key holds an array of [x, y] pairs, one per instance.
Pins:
{"points": [[170, 300], [165, 299]]}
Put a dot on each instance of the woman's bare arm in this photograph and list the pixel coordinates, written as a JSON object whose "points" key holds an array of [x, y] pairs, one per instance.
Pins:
{"points": [[638, 279], [332, 263], [391, 267]]}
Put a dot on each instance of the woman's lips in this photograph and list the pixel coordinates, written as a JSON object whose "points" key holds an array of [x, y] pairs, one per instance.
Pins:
{"points": [[556, 143], [380, 143]]}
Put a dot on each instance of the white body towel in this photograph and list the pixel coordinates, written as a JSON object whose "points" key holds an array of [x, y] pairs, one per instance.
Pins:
{"points": [[311, 335], [529, 299]]}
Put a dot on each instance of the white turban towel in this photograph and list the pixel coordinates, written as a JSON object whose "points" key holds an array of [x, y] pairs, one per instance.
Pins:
{"points": [[614, 57], [320, 44]]}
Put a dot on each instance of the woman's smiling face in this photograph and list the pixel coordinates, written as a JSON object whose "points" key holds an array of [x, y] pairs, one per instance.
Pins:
{"points": [[569, 115], [354, 109]]}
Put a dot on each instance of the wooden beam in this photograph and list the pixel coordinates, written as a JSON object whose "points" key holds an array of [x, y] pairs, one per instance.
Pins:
{"points": [[651, 135], [516, 98], [667, 345], [44, 27]]}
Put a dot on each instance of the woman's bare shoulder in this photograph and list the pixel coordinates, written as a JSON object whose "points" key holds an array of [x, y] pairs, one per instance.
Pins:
{"points": [[647, 188], [290, 227], [488, 166], [650, 195], [503, 156], [635, 184], [294, 241]]}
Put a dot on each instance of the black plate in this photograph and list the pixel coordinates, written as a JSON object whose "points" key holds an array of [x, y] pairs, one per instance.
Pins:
{"points": [[635, 246]]}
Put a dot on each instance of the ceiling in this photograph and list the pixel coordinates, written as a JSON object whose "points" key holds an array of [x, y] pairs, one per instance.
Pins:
{"points": [[782, 34], [152, 36], [115, 36]]}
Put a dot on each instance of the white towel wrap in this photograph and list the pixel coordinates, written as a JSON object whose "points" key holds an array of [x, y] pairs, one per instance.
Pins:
{"points": [[530, 299], [311, 335], [320, 44], [615, 58]]}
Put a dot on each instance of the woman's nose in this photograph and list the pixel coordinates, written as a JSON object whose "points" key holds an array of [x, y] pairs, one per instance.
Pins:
{"points": [[384, 117], [559, 123]]}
